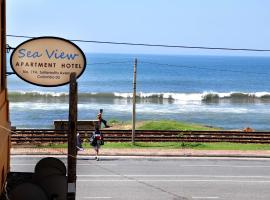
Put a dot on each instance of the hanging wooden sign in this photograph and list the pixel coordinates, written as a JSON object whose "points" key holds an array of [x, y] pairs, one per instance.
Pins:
{"points": [[47, 61]]}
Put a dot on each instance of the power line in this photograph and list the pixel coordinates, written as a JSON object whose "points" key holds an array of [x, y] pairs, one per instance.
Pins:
{"points": [[156, 45], [21, 36], [110, 63], [89, 64], [169, 46], [204, 68], [170, 65], [180, 66]]}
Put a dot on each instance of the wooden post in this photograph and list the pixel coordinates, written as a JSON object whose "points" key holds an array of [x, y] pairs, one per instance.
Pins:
{"points": [[72, 151], [134, 102]]}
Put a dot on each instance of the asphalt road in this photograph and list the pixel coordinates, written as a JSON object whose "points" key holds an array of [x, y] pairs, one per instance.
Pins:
{"points": [[146, 178]]}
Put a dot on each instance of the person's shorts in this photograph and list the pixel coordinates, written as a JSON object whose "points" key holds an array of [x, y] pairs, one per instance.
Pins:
{"points": [[97, 146]]}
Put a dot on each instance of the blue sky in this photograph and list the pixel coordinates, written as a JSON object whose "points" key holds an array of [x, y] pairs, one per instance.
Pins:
{"points": [[220, 23]]}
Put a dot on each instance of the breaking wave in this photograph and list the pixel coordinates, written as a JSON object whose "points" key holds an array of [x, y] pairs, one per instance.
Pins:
{"points": [[201, 97]]}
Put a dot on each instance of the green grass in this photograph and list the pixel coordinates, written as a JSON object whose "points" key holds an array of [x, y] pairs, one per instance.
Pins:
{"points": [[174, 145], [232, 146], [118, 122], [173, 125], [170, 125], [198, 146]]}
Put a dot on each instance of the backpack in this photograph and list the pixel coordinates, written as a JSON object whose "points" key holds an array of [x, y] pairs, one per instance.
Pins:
{"points": [[93, 140], [96, 137]]}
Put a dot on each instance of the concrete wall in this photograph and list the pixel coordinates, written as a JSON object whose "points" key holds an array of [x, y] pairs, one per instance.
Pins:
{"points": [[81, 124]]}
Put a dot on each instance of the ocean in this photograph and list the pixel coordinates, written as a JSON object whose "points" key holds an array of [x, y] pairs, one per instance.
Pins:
{"points": [[229, 92]]}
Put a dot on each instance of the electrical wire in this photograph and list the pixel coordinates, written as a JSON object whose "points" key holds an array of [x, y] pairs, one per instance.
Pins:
{"points": [[203, 68], [181, 66], [169, 46], [155, 45], [110, 63], [90, 64], [169, 65]]}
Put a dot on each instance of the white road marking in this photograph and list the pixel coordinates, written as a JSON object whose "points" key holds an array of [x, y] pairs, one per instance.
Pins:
{"points": [[180, 180], [145, 157], [113, 164], [90, 164], [21, 164], [97, 164], [205, 197], [236, 166], [97, 197], [170, 175]]}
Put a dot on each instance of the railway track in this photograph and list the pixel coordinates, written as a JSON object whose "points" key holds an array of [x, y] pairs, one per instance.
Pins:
{"points": [[37, 136]]}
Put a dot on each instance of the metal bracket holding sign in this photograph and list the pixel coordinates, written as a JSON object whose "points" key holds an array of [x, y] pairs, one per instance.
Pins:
{"points": [[51, 62]]}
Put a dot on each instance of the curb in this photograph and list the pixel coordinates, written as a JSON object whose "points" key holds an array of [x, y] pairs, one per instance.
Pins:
{"points": [[147, 152], [158, 156]]}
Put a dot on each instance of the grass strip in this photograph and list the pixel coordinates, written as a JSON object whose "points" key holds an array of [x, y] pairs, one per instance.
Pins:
{"points": [[172, 145], [174, 125]]}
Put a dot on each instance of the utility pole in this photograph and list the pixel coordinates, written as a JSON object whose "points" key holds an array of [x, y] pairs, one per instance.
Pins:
{"points": [[134, 102], [72, 151]]}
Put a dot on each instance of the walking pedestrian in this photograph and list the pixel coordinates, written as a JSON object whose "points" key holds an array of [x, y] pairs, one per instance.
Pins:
{"points": [[79, 143], [96, 141], [101, 120]]}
